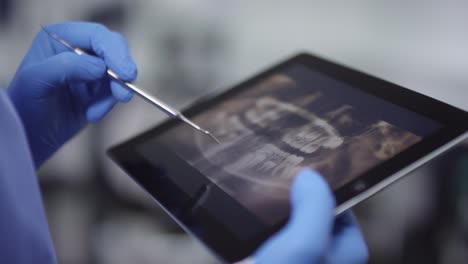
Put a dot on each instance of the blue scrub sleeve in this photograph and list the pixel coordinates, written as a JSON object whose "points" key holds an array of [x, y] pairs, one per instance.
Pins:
{"points": [[24, 234]]}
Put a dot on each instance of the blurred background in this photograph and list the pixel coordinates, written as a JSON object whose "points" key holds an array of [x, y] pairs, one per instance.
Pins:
{"points": [[187, 48]]}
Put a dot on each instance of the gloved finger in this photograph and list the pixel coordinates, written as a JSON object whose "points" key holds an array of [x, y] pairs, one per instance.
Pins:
{"points": [[96, 91], [121, 93], [62, 69], [98, 110], [306, 236], [110, 46], [348, 245], [312, 206], [86, 94]]}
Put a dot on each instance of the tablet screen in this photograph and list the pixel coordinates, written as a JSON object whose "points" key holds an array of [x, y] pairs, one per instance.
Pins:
{"points": [[294, 118]]}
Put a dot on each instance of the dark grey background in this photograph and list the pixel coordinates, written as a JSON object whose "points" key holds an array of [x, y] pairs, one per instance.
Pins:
{"points": [[186, 48]]}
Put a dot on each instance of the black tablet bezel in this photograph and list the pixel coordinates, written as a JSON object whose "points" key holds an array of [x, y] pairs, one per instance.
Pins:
{"points": [[214, 234]]}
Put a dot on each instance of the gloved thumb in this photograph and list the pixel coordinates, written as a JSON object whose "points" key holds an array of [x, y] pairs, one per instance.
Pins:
{"points": [[62, 69], [305, 237]]}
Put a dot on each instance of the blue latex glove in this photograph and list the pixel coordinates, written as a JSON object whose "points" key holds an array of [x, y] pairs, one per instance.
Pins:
{"points": [[57, 92], [313, 235]]}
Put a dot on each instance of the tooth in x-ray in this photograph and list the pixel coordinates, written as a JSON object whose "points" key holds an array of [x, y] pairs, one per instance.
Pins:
{"points": [[231, 128], [266, 111], [267, 161], [310, 138]]}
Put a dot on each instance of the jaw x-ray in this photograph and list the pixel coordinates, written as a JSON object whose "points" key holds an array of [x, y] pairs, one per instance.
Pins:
{"points": [[271, 130]]}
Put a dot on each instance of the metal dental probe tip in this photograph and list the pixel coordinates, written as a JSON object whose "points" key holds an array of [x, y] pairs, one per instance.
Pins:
{"points": [[170, 111], [186, 120]]}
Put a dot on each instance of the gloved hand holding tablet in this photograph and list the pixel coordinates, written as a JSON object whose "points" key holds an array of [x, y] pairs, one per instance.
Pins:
{"points": [[358, 132]]}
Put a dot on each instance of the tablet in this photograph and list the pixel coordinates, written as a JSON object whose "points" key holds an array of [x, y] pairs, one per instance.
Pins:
{"points": [[361, 133]]}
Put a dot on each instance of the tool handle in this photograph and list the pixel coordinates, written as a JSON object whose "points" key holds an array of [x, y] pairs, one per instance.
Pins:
{"points": [[143, 94], [151, 99]]}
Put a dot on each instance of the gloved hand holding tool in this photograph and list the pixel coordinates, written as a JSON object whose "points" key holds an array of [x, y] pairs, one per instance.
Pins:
{"points": [[57, 92]]}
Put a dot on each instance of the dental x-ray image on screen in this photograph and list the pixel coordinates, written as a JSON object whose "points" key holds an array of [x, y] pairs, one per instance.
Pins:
{"points": [[293, 119]]}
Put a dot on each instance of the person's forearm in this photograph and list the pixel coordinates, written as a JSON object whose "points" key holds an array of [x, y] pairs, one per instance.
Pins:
{"points": [[39, 154]]}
